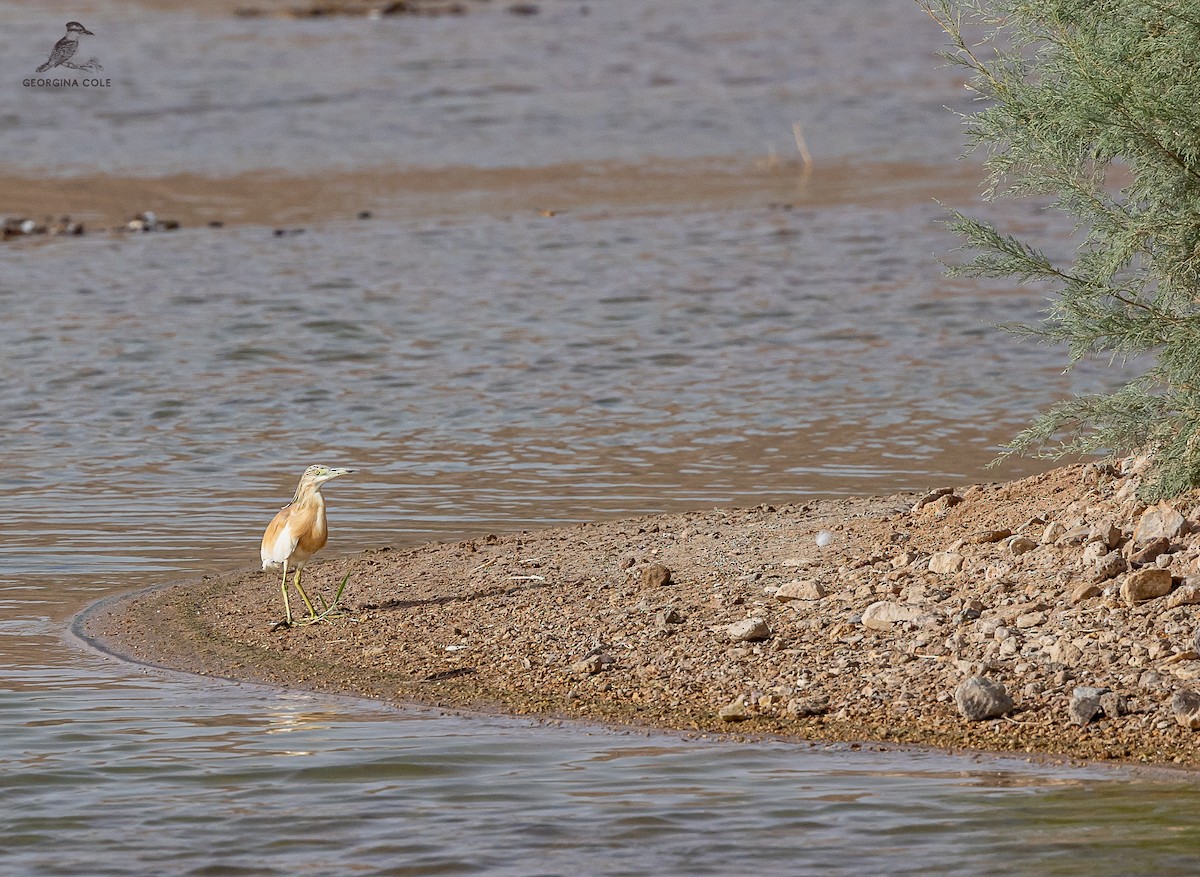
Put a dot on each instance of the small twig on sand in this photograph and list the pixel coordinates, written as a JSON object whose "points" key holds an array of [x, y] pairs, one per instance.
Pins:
{"points": [[485, 564], [802, 148]]}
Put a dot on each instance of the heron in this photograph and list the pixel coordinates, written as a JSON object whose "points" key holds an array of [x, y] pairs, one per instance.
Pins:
{"points": [[298, 531]]}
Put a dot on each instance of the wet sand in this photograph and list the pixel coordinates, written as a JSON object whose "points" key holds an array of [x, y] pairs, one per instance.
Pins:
{"points": [[578, 622], [594, 188]]}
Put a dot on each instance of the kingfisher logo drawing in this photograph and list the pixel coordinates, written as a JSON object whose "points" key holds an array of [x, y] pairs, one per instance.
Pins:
{"points": [[65, 51]]}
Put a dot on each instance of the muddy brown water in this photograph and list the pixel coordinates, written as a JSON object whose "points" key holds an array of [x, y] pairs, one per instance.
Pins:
{"points": [[699, 322]]}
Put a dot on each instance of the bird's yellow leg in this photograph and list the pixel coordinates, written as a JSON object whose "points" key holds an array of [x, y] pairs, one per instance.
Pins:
{"points": [[287, 608], [312, 613]]}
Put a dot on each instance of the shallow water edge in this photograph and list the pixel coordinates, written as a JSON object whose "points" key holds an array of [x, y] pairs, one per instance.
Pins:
{"points": [[500, 624]]}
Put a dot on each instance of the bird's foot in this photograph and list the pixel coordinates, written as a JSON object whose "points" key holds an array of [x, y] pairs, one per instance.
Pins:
{"points": [[329, 611]]}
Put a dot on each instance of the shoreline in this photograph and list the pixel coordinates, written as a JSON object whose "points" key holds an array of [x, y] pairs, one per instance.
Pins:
{"points": [[760, 630], [653, 186]]}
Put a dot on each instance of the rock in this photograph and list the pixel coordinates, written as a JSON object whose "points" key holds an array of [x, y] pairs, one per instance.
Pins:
{"points": [[1185, 706], [1065, 652], [824, 539], [1158, 522], [592, 664], [1018, 545], [979, 698], [883, 614], [666, 617], [1149, 552], [1085, 704], [1075, 536], [808, 706], [946, 562], [1031, 619], [656, 576], [1092, 552], [986, 537], [1114, 705], [1145, 584], [932, 496], [1084, 592], [734, 712], [1184, 595], [1109, 566], [1106, 533], [1053, 532], [800, 589], [749, 630], [940, 507]]}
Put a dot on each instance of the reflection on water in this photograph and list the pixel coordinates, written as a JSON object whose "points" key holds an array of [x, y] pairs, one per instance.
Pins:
{"points": [[161, 394]]}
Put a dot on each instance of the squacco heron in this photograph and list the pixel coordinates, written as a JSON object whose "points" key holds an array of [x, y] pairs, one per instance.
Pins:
{"points": [[298, 532]]}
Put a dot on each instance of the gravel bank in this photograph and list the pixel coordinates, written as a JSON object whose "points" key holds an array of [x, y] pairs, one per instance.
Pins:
{"points": [[1056, 614]]}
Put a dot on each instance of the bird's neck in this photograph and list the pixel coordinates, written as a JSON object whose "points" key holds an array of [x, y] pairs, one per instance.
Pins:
{"points": [[308, 498]]}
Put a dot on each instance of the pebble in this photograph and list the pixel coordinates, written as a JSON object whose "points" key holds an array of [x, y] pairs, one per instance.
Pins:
{"points": [[808, 706], [749, 630], [932, 496], [592, 664], [656, 576], [1018, 545], [800, 589], [1084, 592], [666, 618], [1145, 584], [979, 698], [883, 615], [735, 711], [986, 537]]}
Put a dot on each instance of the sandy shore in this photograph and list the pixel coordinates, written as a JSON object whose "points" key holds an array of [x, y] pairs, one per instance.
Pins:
{"points": [[834, 620], [263, 197]]}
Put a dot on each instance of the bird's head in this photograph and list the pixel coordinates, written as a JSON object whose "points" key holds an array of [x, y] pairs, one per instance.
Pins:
{"points": [[315, 476], [321, 474], [76, 27]]}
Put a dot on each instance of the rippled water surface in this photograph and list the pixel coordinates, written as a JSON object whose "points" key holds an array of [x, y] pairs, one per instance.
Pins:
{"points": [[161, 393]]}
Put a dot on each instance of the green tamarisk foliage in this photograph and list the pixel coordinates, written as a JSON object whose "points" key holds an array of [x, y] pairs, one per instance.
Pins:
{"points": [[1095, 105]]}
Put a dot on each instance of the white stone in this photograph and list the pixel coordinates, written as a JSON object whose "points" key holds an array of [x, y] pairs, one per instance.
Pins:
{"points": [[1159, 522], [946, 562], [883, 614], [748, 630], [800, 589], [1053, 532], [1021, 544]]}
